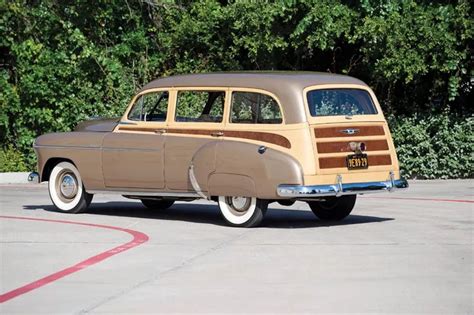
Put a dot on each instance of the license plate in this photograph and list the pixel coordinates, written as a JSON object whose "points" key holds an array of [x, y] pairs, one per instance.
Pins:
{"points": [[357, 161]]}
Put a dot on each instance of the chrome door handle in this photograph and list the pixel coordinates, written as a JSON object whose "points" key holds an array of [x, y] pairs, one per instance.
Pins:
{"points": [[217, 134], [160, 131]]}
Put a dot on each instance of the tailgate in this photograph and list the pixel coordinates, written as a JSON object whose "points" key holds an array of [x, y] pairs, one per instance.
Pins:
{"points": [[334, 142]]}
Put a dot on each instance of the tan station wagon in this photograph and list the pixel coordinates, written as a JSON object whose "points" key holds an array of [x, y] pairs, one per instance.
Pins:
{"points": [[243, 140]]}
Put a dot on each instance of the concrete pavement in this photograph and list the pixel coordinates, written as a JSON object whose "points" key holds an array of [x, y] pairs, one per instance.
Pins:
{"points": [[409, 252]]}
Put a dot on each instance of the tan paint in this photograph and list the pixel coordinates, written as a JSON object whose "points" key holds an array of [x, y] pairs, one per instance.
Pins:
{"points": [[266, 137], [82, 148], [133, 160], [223, 165], [231, 185], [204, 164], [178, 156], [267, 170]]}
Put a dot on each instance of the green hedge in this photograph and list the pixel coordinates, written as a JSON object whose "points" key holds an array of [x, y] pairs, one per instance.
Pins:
{"points": [[435, 146], [11, 160], [61, 62]]}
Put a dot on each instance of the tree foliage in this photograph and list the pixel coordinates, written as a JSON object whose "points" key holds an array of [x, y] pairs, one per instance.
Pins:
{"points": [[64, 61]]}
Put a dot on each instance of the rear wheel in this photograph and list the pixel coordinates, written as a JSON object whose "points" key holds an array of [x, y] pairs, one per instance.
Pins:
{"points": [[157, 203], [242, 211], [66, 189], [333, 208]]}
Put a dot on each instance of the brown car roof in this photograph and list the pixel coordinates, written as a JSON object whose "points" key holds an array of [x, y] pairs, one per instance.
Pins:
{"points": [[286, 85]]}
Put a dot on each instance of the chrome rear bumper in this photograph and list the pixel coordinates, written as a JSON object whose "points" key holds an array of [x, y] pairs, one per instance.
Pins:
{"points": [[339, 189]]}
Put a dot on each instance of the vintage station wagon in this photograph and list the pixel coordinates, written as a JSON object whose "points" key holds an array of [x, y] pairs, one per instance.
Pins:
{"points": [[243, 140]]}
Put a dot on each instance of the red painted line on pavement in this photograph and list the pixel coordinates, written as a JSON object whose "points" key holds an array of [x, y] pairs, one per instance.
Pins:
{"points": [[423, 199], [138, 239]]}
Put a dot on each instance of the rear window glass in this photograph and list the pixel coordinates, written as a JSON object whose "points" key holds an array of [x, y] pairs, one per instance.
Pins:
{"points": [[340, 102]]}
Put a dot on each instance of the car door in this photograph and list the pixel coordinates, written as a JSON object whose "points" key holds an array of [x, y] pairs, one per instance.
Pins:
{"points": [[133, 155], [197, 120]]}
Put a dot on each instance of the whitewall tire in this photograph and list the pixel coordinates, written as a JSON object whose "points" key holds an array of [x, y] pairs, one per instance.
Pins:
{"points": [[242, 211], [66, 189]]}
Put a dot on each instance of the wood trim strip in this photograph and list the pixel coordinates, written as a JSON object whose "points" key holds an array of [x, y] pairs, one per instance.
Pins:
{"points": [[343, 146], [330, 132], [251, 135], [260, 136], [199, 132], [142, 129], [340, 161]]}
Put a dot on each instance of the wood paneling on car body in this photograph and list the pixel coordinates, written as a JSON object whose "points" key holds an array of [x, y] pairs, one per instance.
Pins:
{"points": [[333, 132], [343, 146], [251, 135]]}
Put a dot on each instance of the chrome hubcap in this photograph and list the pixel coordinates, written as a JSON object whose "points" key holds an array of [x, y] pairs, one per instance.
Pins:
{"points": [[68, 186], [238, 205]]}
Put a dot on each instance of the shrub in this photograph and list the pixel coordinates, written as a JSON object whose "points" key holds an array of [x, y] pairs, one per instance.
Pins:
{"points": [[11, 160], [434, 146]]}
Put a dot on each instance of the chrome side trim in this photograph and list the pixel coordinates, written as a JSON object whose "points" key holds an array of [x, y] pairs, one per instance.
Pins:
{"points": [[195, 183], [35, 146], [145, 193], [339, 189], [127, 123]]}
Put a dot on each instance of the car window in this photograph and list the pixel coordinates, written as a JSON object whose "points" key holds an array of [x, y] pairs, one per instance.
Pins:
{"points": [[340, 102], [151, 106], [200, 106], [254, 108]]}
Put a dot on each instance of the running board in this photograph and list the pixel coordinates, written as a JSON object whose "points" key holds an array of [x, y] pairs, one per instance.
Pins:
{"points": [[145, 193]]}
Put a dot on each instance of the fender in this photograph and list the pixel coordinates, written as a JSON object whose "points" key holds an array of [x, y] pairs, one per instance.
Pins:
{"points": [[234, 168], [83, 149]]}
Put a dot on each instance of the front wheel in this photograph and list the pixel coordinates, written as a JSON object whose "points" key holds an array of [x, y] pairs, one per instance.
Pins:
{"points": [[242, 211], [66, 189], [333, 208]]}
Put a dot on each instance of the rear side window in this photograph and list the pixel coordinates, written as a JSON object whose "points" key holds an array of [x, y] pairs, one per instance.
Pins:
{"points": [[254, 108], [200, 106], [340, 102], [151, 106]]}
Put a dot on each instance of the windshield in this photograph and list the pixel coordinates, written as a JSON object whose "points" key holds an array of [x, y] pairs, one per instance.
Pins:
{"points": [[340, 102]]}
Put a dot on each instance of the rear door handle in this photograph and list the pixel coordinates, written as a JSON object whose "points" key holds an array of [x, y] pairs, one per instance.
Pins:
{"points": [[217, 134]]}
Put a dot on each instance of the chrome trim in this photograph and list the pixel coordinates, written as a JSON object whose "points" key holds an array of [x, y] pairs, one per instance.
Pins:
{"points": [[339, 185], [68, 186], [349, 131], [145, 193], [34, 178], [339, 189], [127, 123], [35, 146], [194, 182]]}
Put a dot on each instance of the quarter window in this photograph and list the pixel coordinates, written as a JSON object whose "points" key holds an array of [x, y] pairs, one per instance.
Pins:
{"points": [[200, 106], [254, 108], [151, 106]]}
